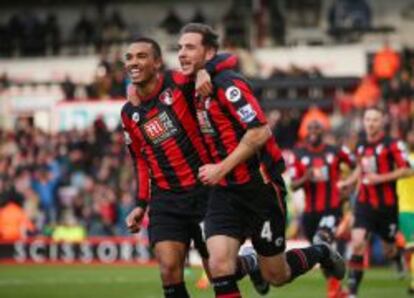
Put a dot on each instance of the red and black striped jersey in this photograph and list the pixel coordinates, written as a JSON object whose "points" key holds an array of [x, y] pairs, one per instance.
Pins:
{"points": [[162, 132], [321, 191], [225, 117], [381, 157], [164, 138]]}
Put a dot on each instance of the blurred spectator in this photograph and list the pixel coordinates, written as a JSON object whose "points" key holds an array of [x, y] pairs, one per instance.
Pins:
{"points": [[246, 62], [68, 88], [52, 34], [6, 48], [124, 208], [69, 230], [277, 23], [367, 94], [15, 29], [4, 81], [234, 25], [386, 63], [14, 223], [114, 29], [84, 31], [313, 114], [349, 14], [286, 127], [198, 17], [118, 86], [172, 23], [33, 40], [44, 182]]}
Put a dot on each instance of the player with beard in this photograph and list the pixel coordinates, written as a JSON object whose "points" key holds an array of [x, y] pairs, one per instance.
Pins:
{"points": [[315, 167], [248, 193], [167, 149], [381, 160]]}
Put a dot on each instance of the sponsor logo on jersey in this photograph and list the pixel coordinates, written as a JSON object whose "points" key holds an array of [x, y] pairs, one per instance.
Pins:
{"points": [[246, 113], [160, 128], [204, 122]]}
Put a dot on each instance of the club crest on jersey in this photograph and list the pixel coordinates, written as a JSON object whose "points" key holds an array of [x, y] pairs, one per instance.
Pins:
{"points": [[246, 113], [135, 117], [166, 97], [233, 94]]}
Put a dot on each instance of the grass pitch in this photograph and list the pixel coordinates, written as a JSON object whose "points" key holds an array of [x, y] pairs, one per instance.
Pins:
{"points": [[128, 281]]}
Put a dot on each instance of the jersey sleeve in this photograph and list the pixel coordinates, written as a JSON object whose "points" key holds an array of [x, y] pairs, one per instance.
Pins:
{"points": [[400, 154], [235, 94], [346, 156], [141, 168], [221, 62]]}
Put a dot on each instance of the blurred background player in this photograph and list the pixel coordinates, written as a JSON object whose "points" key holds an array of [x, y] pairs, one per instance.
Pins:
{"points": [[405, 191], [241, 204], [382, 160], [316, 167]]}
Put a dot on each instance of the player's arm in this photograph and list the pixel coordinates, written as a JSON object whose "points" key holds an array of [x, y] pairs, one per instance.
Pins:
{"points": [[249, 145], [135, 217], [298, 173], [297, 183], [346, 157], [201, 83], [352, 179], [400, 157], [237, 97]]}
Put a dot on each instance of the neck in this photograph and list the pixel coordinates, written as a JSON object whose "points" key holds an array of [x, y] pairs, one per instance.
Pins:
{"points": [[316, 146], [146, 88], [374, 137]]}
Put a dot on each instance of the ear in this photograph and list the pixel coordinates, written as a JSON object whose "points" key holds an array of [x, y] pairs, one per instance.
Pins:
{"points": [[210, 53], [159, 63]]}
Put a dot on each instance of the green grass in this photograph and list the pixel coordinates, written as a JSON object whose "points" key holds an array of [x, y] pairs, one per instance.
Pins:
{"points": [[101, 281]]}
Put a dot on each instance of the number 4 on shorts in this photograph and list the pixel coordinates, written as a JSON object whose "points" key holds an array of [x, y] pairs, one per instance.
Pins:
{"points": [[266, 231]]}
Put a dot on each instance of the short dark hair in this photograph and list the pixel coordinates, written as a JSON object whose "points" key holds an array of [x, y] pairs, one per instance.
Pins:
{"points": [[155, 45], [210, 38]]}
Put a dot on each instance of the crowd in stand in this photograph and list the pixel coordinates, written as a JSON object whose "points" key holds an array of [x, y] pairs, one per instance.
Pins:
{"points": [[110, 81], [27, 34], [81, 178]]}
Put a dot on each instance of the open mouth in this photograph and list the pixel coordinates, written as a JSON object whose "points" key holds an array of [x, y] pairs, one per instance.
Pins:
{"points": [[135, 72], [185, 65]]}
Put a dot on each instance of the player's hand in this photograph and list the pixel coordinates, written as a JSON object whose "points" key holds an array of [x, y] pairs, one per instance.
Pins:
{"points": [[132, 94], [203, 86], [371, 179], [342, 184], [211, 174], [134, 219], [308, 176]]}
